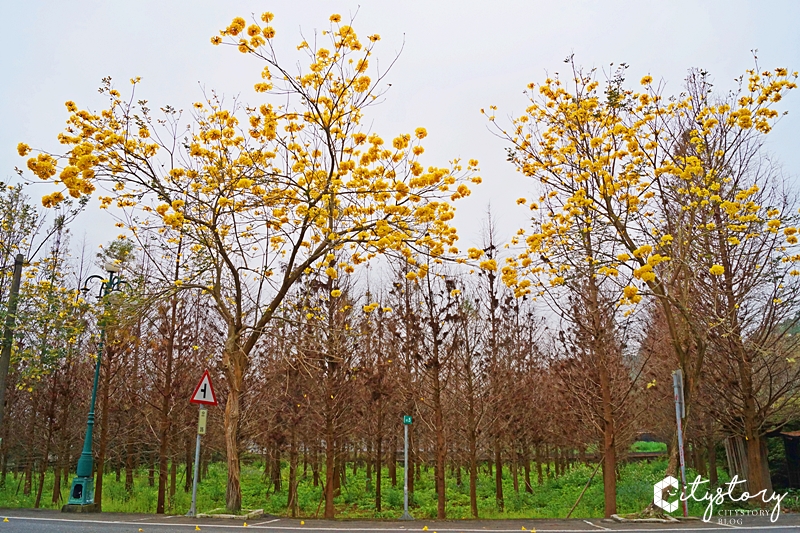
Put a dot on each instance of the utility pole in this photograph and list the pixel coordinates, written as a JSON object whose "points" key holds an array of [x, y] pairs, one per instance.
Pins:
{"points": [[680, 414], [8, 335]]}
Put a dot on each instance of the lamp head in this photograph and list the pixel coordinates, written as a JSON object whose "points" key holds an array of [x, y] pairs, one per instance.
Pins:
{"points": [[112, 267]]}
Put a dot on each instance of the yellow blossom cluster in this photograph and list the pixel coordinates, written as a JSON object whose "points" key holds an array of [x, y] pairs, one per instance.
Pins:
{"points": [[613, 175], [290, 180]]}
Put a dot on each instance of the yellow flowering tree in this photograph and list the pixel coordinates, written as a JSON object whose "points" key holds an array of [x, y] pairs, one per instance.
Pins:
{"points": [[261, 194], [634, 184]]}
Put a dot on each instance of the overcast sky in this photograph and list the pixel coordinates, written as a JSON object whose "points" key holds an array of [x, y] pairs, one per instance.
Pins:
{"points": [[457, 57]]}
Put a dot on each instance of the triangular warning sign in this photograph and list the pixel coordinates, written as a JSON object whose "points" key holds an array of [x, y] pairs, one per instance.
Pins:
{"points": [[204, 393]]}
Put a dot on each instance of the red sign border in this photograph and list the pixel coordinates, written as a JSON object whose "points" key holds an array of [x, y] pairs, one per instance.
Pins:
{"points": [[213, 394]]}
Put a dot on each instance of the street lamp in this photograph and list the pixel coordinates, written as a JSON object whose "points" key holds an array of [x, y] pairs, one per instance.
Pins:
{"points": [[81, 494]]}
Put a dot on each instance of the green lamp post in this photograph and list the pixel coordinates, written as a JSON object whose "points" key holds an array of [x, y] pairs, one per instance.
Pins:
{"points": [[81, 494]]}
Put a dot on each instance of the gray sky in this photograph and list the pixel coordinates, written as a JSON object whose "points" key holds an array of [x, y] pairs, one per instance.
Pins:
{"points": [[457, 58]]}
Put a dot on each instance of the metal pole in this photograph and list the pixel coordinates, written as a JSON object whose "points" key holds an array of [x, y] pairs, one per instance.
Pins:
{"points": [[193, 508], [677, 386], [84, 471], [406, 515], [8, 334], [86, 459]]}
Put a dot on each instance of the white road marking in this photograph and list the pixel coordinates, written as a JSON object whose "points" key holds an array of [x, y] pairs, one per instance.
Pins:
{"points": [[265, 522], [310, 528], [595, 525]]}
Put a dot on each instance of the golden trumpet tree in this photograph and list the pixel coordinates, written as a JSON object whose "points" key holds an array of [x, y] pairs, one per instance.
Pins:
{"points": [[260, 195], [649, 180]]}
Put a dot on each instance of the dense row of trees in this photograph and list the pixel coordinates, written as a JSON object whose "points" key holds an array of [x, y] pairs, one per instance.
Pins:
{"points": [[314, 270]]}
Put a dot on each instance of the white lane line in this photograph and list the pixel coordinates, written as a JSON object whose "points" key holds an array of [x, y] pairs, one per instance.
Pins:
{"points": [[265, 522], [595, 525], [310, 528]]}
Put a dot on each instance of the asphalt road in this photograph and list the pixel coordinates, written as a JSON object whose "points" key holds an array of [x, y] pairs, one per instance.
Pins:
{"points": [[36, 521]]}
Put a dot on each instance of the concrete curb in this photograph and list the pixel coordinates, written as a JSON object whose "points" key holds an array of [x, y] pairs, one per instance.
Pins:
{"points": [[668, 520], [258, 513]]}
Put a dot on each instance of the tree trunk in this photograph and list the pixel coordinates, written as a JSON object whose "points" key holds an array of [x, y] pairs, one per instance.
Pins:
{"points": [[29, 451], [712, 458], [498, 475], [473, 483], [341, 466], [526, 464], [3, 469], [355, 459], [151, 470], [305, 461], [275, 470], [756, 469], [51, 412], [129, 466], [330, 456], [547, 470], [337, 473], [441, 449], [609, 450], [315, 466], [557, 462], [369, 465], [391, 460], [103, 445], [57, 483], [539, 473], [40, 488], [188, 460], [234, 363], [173, 478], [163, 457], [379, 457], [26, 487], [62, 465], [292, 499], [699, 460], [412, 459], [166, 415], [472, 450]]}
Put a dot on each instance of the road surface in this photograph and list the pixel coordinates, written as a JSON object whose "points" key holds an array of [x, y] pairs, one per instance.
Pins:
{"points": [[46, 521]]}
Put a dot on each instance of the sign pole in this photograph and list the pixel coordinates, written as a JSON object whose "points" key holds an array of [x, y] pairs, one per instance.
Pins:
{"points": [[193, 508], [406, 515], [680, 412], [203, 395]]}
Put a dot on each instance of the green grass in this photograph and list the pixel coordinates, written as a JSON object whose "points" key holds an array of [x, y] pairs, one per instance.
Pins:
{"points": [[651, 447], [552, 499]]}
